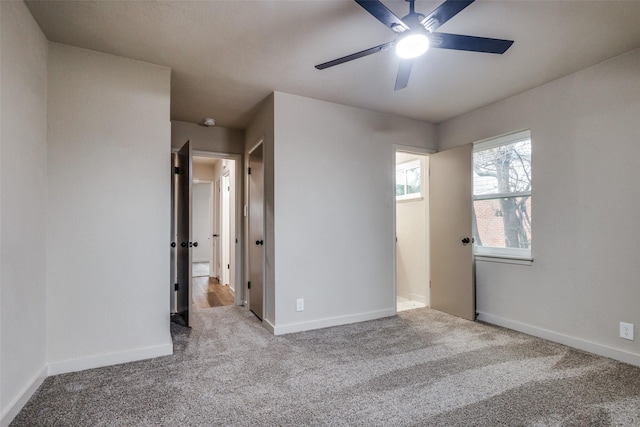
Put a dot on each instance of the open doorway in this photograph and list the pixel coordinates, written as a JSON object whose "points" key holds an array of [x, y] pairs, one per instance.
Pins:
{"points": [[206, 232], [412, 230], [213, 219]]}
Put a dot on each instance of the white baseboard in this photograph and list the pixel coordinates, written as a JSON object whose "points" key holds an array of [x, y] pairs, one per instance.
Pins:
{"points": [[328, 322], [269, 326], [16, 405], [414, 297], [108, 359], [591, 347]]}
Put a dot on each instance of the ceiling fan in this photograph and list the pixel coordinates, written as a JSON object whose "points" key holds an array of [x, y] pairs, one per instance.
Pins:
{"points": [[416, 34]]}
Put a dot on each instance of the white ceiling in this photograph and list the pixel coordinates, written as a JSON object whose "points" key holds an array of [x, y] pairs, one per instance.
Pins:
{"points": [[227, 56]]}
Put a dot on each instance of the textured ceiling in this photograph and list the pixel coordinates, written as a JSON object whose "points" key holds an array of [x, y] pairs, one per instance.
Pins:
{"points": [[227, 56]]}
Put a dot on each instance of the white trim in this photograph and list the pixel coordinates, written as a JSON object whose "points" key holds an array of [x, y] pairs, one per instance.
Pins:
{"points": [[109, 359], [239, 188], [330, 321], [505, 139], [414, 297], [493, 196], [266, 323], [504, 260], [15, 406], [591, 347], [505, 253], [413, 150]]}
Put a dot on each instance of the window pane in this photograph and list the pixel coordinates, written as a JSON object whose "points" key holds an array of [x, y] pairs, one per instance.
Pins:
{"points": [[503, 169], [413, 181], [503, 223], [400, 183]]}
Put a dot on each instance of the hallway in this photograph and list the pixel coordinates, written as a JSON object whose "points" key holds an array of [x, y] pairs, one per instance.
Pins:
{"points": [[208, 292]]}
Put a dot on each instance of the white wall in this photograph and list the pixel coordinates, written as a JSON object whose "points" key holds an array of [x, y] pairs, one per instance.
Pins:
{"points": [[213, 139], [412, 249], [585, 211], [334, 206], [23, 133], [108, 206]]}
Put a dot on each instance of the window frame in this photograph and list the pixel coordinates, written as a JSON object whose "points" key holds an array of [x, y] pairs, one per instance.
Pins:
{"points": [[405, 166], [496, 253]]}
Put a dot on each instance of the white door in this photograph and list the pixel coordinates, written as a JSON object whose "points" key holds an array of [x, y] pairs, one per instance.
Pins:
{"points": [[452, 278], [201, 222]]}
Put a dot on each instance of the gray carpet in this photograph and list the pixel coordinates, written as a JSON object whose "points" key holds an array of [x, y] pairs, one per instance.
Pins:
{"points": [[419, 368]]}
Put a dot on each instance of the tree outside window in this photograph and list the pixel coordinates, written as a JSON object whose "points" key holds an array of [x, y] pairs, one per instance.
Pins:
{"points": [[502, 196]]}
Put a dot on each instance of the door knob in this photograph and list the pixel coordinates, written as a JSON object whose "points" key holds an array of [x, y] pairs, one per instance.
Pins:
{"points": [[173, 244], [466, 241], [259, 242], [195, 244], [183, 244]]}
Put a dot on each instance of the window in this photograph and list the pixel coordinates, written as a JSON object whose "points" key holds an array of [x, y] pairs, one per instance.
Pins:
{"points": [[408, 180], [502, 196]]}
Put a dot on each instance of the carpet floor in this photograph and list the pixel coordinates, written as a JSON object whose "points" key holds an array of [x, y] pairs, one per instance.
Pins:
{"points": [[420, 368]]}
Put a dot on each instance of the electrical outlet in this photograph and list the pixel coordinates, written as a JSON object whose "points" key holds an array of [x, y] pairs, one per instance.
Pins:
{"points": [[300, 304], [626, 331]]}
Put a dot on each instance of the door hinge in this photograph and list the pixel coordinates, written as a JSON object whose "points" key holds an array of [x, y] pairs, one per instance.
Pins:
{"points": [[248, 171], [228, 266], [236, 240], [176, 170], [228, 188], [429, 284], [248, 285], [176, 286]]}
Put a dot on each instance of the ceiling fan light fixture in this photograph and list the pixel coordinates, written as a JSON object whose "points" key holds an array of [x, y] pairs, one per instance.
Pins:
{"points": [[412, 45]]}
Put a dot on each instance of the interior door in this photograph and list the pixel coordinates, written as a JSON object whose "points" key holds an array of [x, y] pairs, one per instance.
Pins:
{"points": [[452, 278], [256, 232], [201, 222], [184, 232]]}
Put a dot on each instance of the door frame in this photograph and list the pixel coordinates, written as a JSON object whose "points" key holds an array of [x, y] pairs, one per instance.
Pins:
{"points": [[239, 200], [225, 250], [215, 227], [411, 150], [259, 142]]}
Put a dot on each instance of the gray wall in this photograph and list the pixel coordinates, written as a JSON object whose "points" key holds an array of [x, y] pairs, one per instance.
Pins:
{"points": [[108, 209], [213, 139], [585, 210], [23, 133], [334, 202]]}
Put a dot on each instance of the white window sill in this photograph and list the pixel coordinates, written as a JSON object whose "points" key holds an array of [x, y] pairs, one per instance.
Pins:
{"points": [[504, 259], [409, 199]]}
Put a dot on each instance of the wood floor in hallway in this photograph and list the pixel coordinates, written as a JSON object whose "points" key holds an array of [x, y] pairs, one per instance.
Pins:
{"points": [[208, 292]]}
